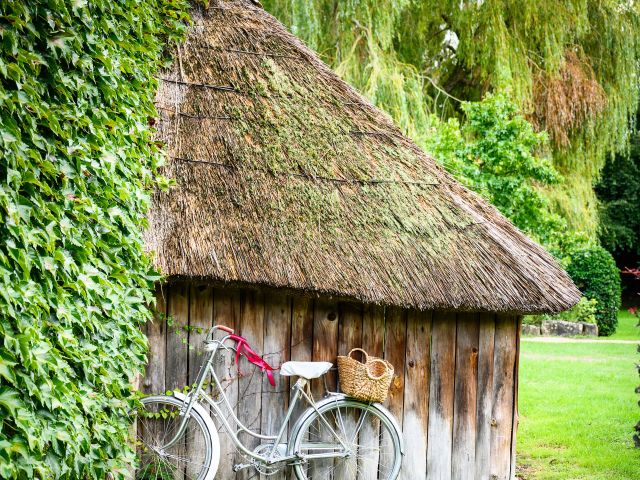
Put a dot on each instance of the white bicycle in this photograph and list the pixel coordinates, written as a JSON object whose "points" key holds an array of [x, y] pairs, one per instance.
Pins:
{"points": [[335, 438]]}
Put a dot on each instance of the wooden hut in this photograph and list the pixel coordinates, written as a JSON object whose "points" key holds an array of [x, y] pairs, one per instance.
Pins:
{"points": [[306, 220]]}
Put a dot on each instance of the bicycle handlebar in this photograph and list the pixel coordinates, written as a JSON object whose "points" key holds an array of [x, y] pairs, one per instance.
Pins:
{"points": [[224, 329]]}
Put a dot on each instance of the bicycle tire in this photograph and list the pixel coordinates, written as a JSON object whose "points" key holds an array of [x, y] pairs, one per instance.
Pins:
{"points": [[365, 462], [199, 460]]}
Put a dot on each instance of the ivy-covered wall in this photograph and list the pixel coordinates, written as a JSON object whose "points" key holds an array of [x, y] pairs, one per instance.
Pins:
{"points": [[76, 163]]}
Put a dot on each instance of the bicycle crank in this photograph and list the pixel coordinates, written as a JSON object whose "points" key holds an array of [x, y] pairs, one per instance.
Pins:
{"points": [[241, 466]]}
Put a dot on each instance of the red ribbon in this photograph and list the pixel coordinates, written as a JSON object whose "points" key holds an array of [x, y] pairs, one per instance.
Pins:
{"points": [[244, 348]]}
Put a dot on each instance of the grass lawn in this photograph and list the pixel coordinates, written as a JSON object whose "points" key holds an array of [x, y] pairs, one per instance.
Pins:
{"points": [[627, 329], [577, 411]]}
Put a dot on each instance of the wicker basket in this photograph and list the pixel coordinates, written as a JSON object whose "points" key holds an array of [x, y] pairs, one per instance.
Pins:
{"points": [[367, 381]]}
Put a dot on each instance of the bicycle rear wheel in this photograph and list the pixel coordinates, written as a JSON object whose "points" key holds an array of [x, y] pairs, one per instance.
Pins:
{"points": [[370, 448], [190, 458]]}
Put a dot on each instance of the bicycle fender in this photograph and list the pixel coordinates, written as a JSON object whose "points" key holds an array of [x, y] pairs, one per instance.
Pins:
{"points": [[213, 432], [340, 396]]}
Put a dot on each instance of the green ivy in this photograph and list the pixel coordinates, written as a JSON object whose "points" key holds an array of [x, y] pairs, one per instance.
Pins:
{"points": [[76, 162]]}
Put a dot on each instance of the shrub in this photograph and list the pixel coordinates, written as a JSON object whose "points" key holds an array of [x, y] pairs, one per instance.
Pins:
{"points": [[584, 311], [594, 272], [76, 160], [533, 319]]}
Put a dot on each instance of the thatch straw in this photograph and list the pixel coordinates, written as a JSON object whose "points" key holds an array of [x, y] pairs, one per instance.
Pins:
{"points": [[287, 177]]}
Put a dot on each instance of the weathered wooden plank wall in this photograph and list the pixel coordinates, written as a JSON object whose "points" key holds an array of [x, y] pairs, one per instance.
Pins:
{"points": [[456, 374]]}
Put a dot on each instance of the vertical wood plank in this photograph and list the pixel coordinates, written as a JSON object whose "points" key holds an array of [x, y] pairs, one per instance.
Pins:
{"points": [[516, 416], [395, 346], [277, 342], [302, 329], [373, 327], [177, 369], [277, 334], [250, 384], [200, 320], [349, 328], [176, 373], [484, 402], [441, 395], [325, 343], [502, 411], [465, 398], [394, 352], [226, 312], [153, 382], [301, 338], [373, 330], [349, 336], [326, 320], [416, 395]]}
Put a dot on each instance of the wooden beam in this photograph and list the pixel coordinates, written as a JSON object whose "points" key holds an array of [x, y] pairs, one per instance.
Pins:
{"points": [[226, 311], [484, 402], [250, 384], [395, 345], [516, 419], [177, 354], [373, 331], [416, 395], [301, 338], [153, 382], [277, 342], [466, 384], [325, 342], [503, 388], [349, 336], [177, 351], [443, 363]]}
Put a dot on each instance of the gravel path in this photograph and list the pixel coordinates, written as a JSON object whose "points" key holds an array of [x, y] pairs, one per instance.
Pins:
{"points": [[574, 340]]}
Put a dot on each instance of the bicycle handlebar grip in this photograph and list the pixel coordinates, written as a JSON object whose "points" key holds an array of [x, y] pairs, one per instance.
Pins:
{"points": [[225, 329]]}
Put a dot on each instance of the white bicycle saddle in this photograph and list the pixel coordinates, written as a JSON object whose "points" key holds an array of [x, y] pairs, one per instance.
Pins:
{"points": [[306, 370]]}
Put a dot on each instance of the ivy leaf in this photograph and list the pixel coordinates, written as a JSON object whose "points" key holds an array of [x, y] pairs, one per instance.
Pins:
{"points": [[6, 368], [74, 278], [10, 399]]}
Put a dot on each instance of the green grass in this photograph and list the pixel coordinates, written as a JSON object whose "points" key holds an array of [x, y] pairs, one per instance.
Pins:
{"points": [[577, 411], [627, 327]]}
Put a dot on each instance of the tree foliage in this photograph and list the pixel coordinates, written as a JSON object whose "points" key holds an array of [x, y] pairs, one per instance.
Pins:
{"points": [[619, 193], [571, 67], [76, 160], [495, 151]]}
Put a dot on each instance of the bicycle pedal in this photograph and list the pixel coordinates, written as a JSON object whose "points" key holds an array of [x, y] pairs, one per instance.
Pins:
{"points": [[240, 466]]}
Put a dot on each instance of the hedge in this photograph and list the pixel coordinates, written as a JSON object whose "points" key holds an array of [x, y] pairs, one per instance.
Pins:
{"points": [[76, 162], [594, 272]]}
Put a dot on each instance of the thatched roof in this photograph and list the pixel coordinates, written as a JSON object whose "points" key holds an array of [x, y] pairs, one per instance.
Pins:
{"points": [[287, 177]]}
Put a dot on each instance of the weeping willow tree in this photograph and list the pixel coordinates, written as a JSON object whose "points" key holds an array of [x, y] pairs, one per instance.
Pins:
{"points": [[571, 67]]}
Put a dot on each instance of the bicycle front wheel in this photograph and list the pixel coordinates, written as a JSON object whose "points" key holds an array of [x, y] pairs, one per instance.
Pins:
{"points": [[190, 458], [347, 440]]}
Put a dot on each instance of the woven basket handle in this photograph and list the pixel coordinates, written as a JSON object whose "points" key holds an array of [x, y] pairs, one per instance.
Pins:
{"points": [[366, 356], [377, 360]]}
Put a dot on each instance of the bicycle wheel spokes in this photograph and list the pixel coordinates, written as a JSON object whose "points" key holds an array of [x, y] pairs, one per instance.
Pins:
{"points": [[157, 424], [362, 446]]}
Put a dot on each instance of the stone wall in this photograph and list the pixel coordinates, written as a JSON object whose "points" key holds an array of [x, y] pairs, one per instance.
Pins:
{"points": [[560, 328]]}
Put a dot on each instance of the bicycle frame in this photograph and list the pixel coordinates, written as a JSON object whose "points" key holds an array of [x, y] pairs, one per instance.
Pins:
{"points": [[273, 455]]}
